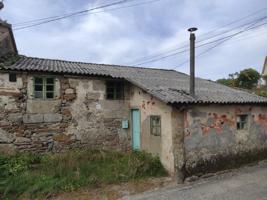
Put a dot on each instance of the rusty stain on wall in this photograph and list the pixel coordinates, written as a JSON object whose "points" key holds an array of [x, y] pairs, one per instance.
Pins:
{"points": [[211, 133], [262, 120], [217, 122]]}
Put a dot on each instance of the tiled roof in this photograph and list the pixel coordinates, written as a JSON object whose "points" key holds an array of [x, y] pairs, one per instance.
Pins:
{"points": [[167, 85]]}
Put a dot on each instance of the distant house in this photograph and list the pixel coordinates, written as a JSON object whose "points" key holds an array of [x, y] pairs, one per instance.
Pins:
{"points": [[7, 41], [55, 105]]}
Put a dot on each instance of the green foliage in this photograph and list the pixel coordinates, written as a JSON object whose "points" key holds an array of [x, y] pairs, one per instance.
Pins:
{"points": [[262, 93], [231, 81], [227, 82], [248, 78], [34, 175]]}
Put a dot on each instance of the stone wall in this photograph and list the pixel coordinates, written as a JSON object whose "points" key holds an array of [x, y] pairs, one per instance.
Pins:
{"points": [[6, 45], [193, 139], [78, 117], [212, 140]]}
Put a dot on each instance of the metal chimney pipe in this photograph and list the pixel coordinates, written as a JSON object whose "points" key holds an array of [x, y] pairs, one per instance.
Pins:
{"points": [[192, 60]]}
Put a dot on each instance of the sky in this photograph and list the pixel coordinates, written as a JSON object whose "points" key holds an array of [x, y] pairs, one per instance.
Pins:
{"points": [[129, 36]]}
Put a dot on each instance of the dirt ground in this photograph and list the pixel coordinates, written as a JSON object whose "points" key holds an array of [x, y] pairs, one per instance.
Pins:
{"points": [[115, 191]]}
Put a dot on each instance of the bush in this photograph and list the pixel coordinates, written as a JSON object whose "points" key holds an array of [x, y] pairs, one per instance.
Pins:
{"points": [[248, 78], [35, 175], [262, 93]]}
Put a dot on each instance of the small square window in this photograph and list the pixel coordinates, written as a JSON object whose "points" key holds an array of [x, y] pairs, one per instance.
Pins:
{"points": [[155, 125], [43, 88], [241, 122], [12, 77], [114, 90]]}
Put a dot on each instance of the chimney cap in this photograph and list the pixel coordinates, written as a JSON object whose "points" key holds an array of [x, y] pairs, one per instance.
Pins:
{"points": [[192, 29]]}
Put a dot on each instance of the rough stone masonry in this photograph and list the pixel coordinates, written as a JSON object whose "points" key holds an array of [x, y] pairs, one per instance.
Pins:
{"points": [[78, 116]]}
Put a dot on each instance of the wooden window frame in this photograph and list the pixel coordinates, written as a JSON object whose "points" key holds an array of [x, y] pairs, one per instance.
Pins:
{"points": [[114, 90], [12, 77], [153, 126], [44, 85], [242, 124]]}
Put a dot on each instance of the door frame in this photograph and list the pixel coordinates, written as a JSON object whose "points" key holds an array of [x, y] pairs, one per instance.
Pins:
{"points": [[140, 142]]}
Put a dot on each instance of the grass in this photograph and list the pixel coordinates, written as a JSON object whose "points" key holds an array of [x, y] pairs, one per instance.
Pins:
{"points": [[32, 175], [262, 91]]}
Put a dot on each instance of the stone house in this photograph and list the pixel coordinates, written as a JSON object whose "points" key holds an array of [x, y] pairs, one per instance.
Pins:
{"points": [[7, 41], [55, 105]]}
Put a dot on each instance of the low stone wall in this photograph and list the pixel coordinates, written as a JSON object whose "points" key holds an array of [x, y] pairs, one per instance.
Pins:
{"points": [[78, 117], [212, 141]]}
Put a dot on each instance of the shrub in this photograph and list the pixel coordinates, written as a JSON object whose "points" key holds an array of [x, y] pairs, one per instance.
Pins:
{"points": [[33, 175]]}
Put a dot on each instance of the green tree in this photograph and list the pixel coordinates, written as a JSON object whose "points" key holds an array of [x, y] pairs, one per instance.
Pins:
{"points": [[225, 81], [230, 81], [248, 78]]}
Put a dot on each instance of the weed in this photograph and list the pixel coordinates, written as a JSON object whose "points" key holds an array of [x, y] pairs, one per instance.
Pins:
{"points": [[31, 175]]}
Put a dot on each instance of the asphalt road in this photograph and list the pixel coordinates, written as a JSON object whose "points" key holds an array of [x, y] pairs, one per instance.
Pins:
{"points": [[249, 183]]}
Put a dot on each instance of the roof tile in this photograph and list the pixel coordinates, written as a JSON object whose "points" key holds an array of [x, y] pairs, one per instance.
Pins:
{"points": [[168, 85]]}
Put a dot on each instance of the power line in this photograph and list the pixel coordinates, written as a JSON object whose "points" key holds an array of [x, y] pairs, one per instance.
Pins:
{"points": [[224, 40], [156, 58], [237, 20], [88, 11], [201, 45], [171, 50], [69, 14], [253, 35]]}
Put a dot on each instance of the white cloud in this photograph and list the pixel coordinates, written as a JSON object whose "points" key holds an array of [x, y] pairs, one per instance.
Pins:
{"points": [[125, 35]]}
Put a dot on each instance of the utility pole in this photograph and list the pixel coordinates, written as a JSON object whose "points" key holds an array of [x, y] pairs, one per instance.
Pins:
{"points": [[192, 60]]}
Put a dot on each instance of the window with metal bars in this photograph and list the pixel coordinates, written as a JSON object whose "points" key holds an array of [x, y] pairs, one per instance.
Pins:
{"points": [[44, 87], [114, 90], [241, 122]]}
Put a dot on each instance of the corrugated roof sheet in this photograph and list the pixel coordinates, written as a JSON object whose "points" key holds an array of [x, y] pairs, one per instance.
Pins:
{"points": [[167, 85]]}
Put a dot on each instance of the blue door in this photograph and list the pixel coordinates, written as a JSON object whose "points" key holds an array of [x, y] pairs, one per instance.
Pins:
{"points": [[136, 128]]}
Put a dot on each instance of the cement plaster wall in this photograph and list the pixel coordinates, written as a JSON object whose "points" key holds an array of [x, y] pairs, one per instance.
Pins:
{"points": [[157, 145]]}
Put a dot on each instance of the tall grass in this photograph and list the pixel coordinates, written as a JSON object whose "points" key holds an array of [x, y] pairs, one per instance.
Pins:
{"points": [[33, 175]]}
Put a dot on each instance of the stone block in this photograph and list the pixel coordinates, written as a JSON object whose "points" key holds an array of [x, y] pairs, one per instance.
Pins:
{"points": [[22, 140], [42, 106], [62, 138], [69, 91], [99, 85], [69, 97], [4, 123], [6, 137], [93, 96], [52, 118], [33, 118], [15, 117]]}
